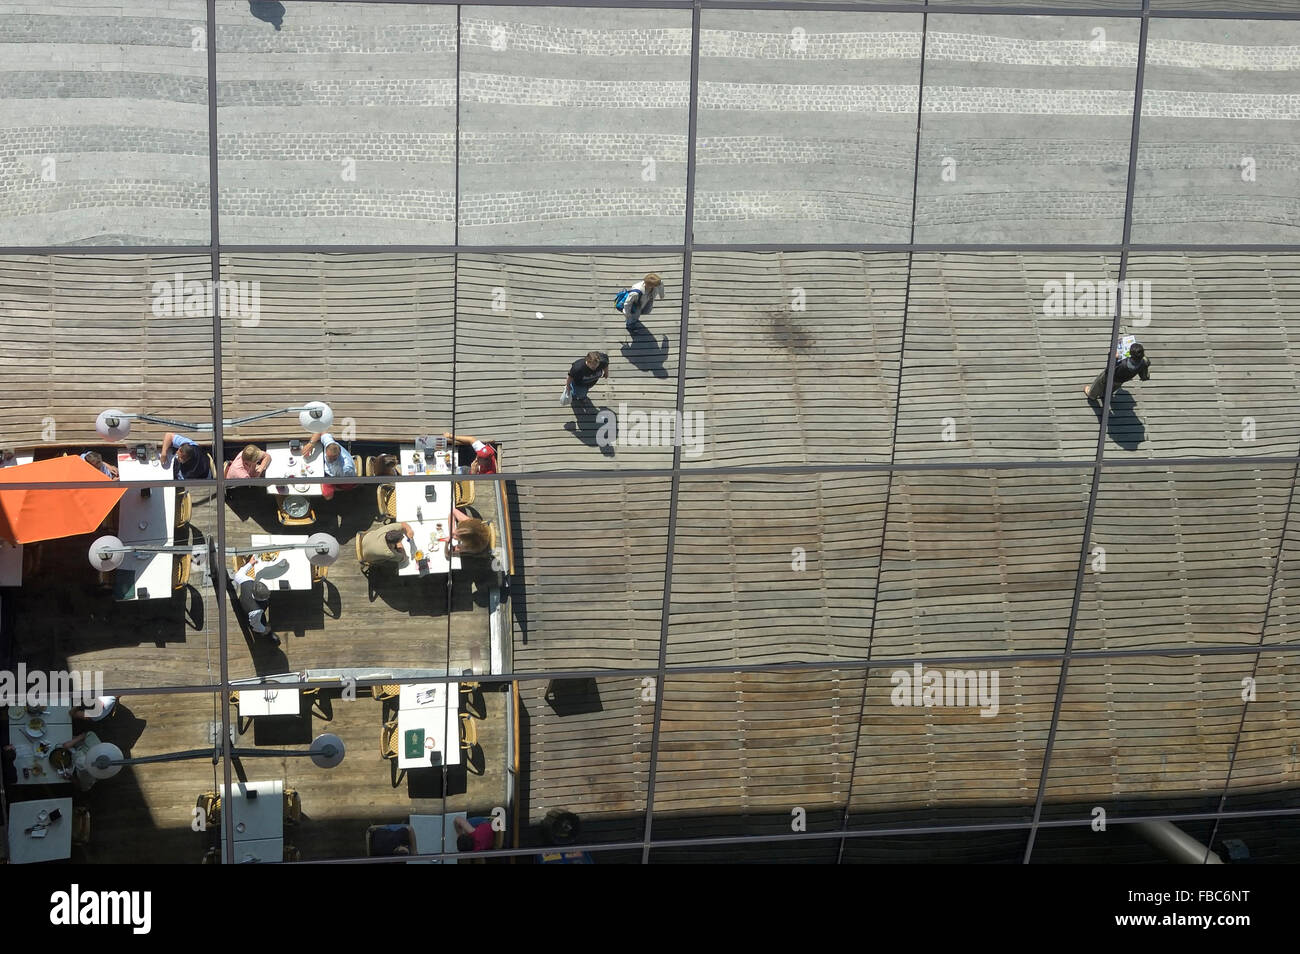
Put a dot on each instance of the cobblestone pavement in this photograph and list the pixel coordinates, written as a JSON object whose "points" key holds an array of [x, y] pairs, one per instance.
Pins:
{"points": [[340, 126]]}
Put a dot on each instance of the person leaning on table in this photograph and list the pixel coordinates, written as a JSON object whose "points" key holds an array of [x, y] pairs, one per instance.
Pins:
{"points": [[251, 462], [383, 545], [337, 463], [186, 458]]}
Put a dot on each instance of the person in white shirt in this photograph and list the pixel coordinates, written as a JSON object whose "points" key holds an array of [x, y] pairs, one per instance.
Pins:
{"points": [[641, 299]]}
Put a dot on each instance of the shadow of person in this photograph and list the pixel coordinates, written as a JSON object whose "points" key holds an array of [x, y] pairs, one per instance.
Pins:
{"points": [[645, 354], [1124, 427], [271, 11], [595, 427]]}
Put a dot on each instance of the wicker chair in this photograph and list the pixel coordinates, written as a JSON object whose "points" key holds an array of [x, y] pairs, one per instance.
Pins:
{"points": [[386, 501], [471, 700], [81, 825], [388, 741], [181, 572], [292, 806], [184, 507], [385, 692]]}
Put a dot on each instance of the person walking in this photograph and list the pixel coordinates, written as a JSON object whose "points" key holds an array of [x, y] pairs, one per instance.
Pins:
{"points": [[639, 299], [1132, 363], [584, 373]]}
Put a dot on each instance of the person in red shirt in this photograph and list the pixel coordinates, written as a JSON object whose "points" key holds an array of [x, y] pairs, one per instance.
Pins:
{"points": [[485, 455], [472, 837]]}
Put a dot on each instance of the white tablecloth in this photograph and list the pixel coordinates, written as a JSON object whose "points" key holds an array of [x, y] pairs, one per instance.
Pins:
{"points": [[57, 843], [440, 722], [292, 565], [58, 729], [435, 833], [268, 702], [301, 468], [129, 468], [150, 520], [262, 818], [427, 538]]}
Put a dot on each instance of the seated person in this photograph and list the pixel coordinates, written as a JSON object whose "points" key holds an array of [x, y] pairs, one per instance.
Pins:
{"points": [[96, 460], [485, 455], [474, 837], [251, 462], [187, 459], [383, 545], [254, 599], [387, 465], [469, 535], [338, 462]]}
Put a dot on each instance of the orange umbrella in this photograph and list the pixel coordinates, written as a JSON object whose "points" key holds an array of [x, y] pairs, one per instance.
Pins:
{"points": [[29, 515]]}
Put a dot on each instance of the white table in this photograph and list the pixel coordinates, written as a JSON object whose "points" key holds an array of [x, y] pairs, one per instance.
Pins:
{"points": [[269, 702], [57, 843], [259, 850], [129, 468], [435, 833], [292, 565], [440, 722], [58, 729], [258, 822], [411, 494], [148, 520], [427, 537], [11, 563], [302, 468]]}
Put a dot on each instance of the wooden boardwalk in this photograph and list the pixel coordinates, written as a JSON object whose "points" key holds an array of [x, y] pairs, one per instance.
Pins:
{"points": [[802, 567]]}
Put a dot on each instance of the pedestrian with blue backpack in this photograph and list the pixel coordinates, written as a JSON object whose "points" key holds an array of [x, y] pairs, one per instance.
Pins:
{"points": [[639, 299]]}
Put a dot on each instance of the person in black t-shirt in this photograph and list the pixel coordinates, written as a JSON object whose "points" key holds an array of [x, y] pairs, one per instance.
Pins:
{"points": [[586, 372], [1135, 365]]}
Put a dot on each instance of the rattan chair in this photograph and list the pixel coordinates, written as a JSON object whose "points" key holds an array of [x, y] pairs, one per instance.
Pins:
{"points": [[385, 692], [209, 803], [184, 507], [471, 700], [388, 741], [386, 502], [292, 806], [464, 492], [181, 571], [288, 521]]}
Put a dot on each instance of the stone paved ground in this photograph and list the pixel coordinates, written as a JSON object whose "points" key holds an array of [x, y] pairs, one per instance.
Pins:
{"points": [[340, 127]]}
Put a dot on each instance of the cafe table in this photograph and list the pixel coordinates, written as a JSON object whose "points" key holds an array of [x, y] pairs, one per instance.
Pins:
{"points": [[130, 468], [145, 515], [428, 729], [269, 701], [27, 819], [431, 541], [434, 833], [257, 816], [34, 744], [290, 570], [294, 468]]}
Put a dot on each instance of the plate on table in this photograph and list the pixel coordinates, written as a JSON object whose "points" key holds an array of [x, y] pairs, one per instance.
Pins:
{"points": [[302, 488], [17, 713], [35, 728]]}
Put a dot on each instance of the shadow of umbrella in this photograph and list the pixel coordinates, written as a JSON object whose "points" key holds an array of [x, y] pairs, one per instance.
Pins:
{"points": [[271, 11]]}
